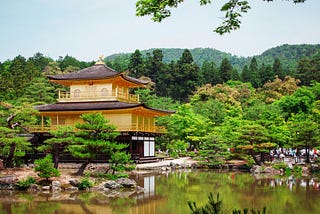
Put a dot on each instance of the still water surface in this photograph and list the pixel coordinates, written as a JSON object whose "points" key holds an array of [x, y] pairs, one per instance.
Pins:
{"points": [[169, 193]]}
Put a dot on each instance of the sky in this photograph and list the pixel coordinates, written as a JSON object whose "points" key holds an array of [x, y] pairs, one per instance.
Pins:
{"points": [[86, 29]]}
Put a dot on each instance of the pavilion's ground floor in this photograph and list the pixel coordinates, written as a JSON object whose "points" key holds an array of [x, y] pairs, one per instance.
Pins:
{"points": [[141, 146]]}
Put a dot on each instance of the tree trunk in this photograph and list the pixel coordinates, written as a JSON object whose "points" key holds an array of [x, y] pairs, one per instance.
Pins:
{"points": [[307, 155], [253, 155], [56, 155], [262, 157], [83, 167], [9, 161]]}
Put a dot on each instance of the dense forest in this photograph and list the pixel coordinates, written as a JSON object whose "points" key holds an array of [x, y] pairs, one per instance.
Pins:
{"points": [[225, 108], [289, 55]]}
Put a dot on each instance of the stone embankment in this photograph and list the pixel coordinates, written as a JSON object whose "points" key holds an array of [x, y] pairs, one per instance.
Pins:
{"points": [[68, 182]]}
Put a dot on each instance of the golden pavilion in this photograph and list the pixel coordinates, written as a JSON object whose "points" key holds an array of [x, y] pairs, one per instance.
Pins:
{"points": [[101, 89]]}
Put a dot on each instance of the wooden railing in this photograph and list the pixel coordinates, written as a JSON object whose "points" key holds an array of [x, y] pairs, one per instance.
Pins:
{"points": [[97, 96], [127, 128]]}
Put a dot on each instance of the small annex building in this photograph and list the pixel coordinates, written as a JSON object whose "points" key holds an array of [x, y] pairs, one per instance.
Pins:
{"points": [[101, 89]]}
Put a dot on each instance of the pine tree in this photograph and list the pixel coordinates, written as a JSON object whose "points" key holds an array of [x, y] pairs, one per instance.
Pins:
{"points": [[40, 91], [245, 74], [40, 61], [61, 138], [225, 70], [254, 74], [95, 136], [136, 65], [14, 120], [186, 77], [277, 69], [210, 74], [266, 73]]}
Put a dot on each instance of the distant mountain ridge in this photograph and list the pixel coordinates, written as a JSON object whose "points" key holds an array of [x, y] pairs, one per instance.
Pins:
{"points": [[287, 54]]}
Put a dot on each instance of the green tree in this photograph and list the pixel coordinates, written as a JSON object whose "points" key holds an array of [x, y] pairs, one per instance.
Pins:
{"points": [[45, 168], [211, 109], [275, 90], [308, 70], [266, 73], [186, 129], [52, 68], [210, 74], [155, 64], [254, 140], [214, 150], [17, 77], [61, 138], [226, 70], [136, 65], [40, 91], [67, 61], [251, 73], [13, 147], [272, 118], [40, 61], [277, 69], [245, 74], [305, 134], [233, 10], [185, 78], [301, 101], [15, 120], [1, 68], [254, 73], [95, 136]]}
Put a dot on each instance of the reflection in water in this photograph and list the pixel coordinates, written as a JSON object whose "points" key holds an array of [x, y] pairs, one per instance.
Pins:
{"points": [[169, 193]]}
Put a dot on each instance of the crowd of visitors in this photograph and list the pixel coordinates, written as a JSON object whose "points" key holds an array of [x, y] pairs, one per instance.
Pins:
{"points": [[295, 154]]}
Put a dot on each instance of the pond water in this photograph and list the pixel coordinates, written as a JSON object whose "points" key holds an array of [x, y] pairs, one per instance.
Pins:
{"points": [[170, 192]]}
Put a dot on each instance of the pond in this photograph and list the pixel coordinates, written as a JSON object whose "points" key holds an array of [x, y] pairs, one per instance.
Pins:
{"points": [[169, 193]]}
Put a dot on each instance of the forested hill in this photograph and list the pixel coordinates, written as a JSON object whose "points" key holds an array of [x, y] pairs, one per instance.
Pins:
{"points": [[287, 54], [199, 56]]}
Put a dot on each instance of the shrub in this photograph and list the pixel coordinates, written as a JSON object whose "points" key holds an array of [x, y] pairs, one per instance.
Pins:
{"points": [[116, 176], [297, 170], [281, 165], [45, 167], [85, 183], [24, 184], [110, 176], [215, 207]]}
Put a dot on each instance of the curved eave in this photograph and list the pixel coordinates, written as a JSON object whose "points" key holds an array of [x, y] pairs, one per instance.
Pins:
{"points": [[101, 106], [132, 82], [157, 112]]}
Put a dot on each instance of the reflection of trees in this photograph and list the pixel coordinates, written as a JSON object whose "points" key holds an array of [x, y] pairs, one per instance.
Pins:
{"points": [[34, 208], [172, 191]]}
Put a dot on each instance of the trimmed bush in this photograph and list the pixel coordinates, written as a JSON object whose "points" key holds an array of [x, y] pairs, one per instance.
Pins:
{"points": [[24, 184], [45, 168]]}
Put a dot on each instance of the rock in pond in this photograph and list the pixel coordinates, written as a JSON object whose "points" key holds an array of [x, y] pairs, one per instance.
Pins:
{"points": [[127, 183], [111, 185]]}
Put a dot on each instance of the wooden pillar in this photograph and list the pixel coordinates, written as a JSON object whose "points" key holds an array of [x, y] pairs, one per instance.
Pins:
{"points": [[137, 121], [143, 126], [117, 91]]}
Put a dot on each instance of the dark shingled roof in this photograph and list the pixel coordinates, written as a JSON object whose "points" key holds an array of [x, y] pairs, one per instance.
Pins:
{"points": [[98, 71], [107, 105]]}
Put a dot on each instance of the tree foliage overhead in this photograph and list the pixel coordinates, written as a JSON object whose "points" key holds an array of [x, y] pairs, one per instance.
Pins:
{"points": [[232, 9]]}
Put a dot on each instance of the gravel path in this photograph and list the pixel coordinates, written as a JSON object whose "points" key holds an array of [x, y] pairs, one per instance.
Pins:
{"points": [[165, 163]]}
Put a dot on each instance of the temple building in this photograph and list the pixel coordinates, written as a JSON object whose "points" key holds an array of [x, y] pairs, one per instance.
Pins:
{"points": [[100, 89]]}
